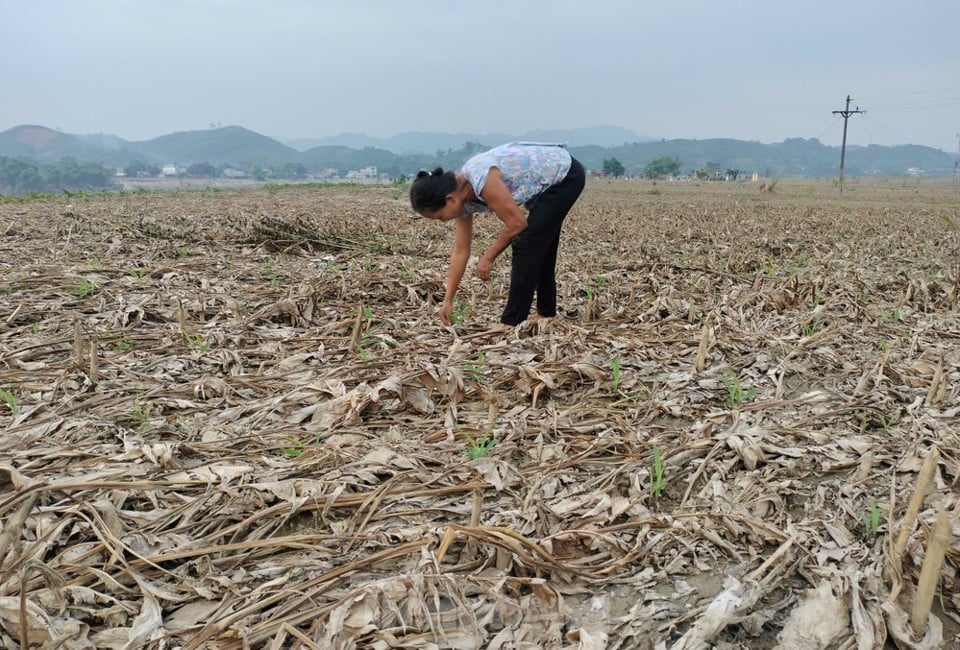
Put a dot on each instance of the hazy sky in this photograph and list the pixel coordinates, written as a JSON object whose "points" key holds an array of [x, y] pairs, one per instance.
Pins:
{"points": [[310, 68]]}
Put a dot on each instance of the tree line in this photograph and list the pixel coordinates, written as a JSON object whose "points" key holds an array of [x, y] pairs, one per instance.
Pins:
{"points": [[662, 167], [19, 175], [26, 176]]}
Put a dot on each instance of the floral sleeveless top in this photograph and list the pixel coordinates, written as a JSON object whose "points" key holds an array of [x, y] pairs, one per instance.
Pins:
{"points": [[528, 168]]}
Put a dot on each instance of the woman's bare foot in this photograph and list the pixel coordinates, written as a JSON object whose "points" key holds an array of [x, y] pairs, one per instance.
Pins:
{"points": [[537, 317]]}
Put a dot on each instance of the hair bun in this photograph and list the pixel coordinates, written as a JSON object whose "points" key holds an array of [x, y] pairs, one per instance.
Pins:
{"points": [[437, 172], [422, 174]]}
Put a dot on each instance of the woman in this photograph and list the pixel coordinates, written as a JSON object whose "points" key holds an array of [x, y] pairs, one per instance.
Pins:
{"points": [[546, 179]]}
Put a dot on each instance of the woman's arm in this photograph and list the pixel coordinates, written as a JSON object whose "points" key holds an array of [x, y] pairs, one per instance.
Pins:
{"points": [[458, 264], [497, 195]]}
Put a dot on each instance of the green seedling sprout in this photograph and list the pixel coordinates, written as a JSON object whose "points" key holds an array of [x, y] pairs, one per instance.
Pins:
{"points": [[615, 371], [141, 412], [195, 342], [10, 400], [736, 396], [480, 447], [871, 520], [657, 484], [460, 314], [476, 370], [86, 287], [294, 448]]}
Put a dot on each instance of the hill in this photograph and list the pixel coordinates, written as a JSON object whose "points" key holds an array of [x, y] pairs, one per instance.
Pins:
{"points": [[230, 145], [428, 143], [239, 147], [47, 145]]}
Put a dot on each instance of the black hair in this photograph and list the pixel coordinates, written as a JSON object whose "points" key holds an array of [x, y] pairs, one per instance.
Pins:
{"points": [[429, 189]]}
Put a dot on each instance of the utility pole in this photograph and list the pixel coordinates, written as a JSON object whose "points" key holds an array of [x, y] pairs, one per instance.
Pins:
{"points": [[846, 113], [956, 164]]}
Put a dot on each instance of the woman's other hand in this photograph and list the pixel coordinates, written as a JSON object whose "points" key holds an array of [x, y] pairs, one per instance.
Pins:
{"points": [[482, 270], [446, 312]]}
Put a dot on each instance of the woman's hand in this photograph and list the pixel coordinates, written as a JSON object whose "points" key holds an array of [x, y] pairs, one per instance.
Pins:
{"points": [[483, 267], [446, 311]]}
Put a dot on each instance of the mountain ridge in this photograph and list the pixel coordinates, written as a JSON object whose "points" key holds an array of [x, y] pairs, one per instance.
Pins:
{"points": [[428, 142], [239, 147]]}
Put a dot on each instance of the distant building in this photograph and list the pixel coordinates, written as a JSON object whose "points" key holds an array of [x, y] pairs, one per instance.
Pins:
{"points": [[365, 173], [173, 170], [324, 174], [230, 172]]}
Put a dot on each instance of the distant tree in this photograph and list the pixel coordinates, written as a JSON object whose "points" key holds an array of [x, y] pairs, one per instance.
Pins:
{"points": [[23, 176], [613, 167], [71, 174], [661, 167], [202, 170], [135, 168], [30, 180], [292, 171], [19, 175]]}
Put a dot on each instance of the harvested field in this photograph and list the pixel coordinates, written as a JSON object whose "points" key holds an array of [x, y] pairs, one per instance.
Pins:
{"points": [[231, 419]]}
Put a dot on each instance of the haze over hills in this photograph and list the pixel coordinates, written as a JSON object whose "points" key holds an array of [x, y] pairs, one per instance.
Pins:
{"points": [[235, 146], [420, 142]]}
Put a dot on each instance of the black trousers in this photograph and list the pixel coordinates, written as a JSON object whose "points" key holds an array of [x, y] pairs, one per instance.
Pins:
{"points": [[534, 260]]}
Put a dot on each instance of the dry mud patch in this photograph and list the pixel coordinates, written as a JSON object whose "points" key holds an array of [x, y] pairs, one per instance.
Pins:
{"points": [[231, 419]]}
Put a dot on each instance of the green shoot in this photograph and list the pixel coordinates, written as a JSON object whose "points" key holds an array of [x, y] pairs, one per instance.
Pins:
{"points": [[657, 484], [480, 447], [460, 314], [736, 396], [367, 338], [476, 370], [812, 327], [10, 400], [85, 288], [141, 412], [871, 520], [615, 371], [887, 421], [195, 342], [362, 351], [294, 448]]}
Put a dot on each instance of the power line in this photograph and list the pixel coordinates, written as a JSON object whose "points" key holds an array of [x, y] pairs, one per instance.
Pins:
{"points": [[928, 103], [845, 113], [932, 92]]}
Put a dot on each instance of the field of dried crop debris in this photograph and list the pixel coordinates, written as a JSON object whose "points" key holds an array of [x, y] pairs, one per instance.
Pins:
{"points": [[231, 419]]}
